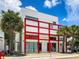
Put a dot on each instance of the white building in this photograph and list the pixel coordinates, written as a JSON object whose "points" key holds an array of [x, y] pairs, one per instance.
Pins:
{"points": [[1, 37], [31, 42], [46, 35]]}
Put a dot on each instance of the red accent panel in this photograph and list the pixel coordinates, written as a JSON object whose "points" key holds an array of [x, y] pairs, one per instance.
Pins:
{"points": [[38, 37], [24, 36], [49, 44], [32, 37]]}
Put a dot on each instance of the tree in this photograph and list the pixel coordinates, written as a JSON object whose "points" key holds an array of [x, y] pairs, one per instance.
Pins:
{"points": [[10, 24], [74, 33], [71, 31], [63, 31]]}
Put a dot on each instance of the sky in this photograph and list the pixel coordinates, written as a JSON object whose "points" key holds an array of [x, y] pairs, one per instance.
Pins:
{"points": [[67, 11]]}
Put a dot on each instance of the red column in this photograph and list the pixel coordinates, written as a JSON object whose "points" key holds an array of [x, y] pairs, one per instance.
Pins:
{"points": [[24, 36], [38, 37], [49, 44]]}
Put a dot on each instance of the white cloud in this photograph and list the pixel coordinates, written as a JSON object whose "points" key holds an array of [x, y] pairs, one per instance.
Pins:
{"points": [[31, 7], [10, 4], [51, 3], [48, 4], [55, 2], [64, 19], [72, 8]]}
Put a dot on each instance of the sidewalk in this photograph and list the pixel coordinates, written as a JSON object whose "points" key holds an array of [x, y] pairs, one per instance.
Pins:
{"points": [[45, 56]]}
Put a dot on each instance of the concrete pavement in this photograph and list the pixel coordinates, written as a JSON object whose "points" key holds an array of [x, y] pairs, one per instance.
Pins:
{"points": [[46, 56]]}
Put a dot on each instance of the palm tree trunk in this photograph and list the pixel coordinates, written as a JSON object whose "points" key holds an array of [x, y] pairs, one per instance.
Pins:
{"points": [[72, 45], [64, 38], [11, 43], [5, 45], [20, 41]]}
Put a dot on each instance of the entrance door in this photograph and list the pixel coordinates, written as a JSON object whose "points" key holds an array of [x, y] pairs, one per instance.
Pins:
{"points": [[40, 47], [53, 47]]}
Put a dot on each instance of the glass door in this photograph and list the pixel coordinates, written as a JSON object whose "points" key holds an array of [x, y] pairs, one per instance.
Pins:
{"points": [[31, 47], [53, 47]]}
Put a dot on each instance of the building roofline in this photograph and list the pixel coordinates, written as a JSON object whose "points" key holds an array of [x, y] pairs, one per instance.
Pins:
{"points": [[40, 12]]}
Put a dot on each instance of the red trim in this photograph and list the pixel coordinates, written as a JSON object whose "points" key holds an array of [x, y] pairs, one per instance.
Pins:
{"points": [[32, 26], [24, 36], [38, 37], [32, 32], [49, 44], [31, 37], [38, 33], [40, 27], [42, 39], [43, 22], [42, 33]]}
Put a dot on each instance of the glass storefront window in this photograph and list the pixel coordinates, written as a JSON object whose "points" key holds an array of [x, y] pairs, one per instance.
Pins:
{"points": [[31, 47]]}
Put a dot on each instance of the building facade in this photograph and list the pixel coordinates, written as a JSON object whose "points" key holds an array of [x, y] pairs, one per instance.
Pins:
{"points": [[40, 33], [1, 37]]}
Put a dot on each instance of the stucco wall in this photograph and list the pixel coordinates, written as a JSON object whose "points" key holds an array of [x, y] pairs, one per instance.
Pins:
{"points": [[1, 41], [1, 37], [41, 17]]}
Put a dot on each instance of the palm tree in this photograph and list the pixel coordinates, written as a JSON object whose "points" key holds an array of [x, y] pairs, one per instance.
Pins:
{"points": [[74, 33], [76, 45], [10, 24], [63, 31], [71, 31]]}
